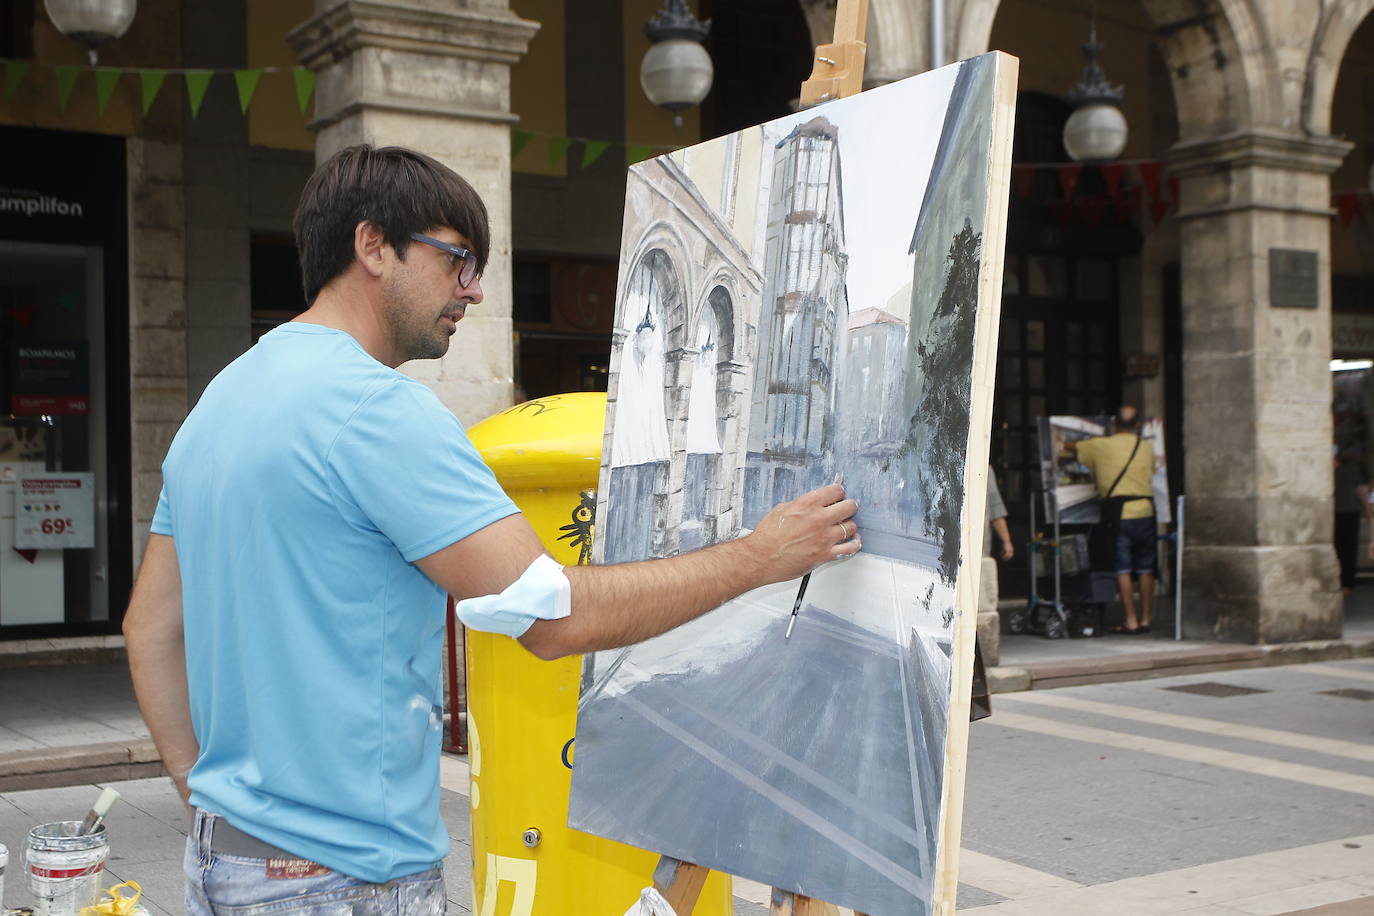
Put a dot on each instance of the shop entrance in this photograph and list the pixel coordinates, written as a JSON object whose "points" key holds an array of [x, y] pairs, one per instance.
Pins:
{"points": [[1058, 353], [55, 499]]}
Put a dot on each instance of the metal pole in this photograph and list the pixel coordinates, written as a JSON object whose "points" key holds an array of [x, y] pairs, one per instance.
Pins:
{"points": [[1178, 572], [1054, 507], [937, 33], [1032, 551]]}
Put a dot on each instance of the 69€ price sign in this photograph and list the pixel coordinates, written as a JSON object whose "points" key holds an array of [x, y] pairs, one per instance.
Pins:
{"points": [[54, 509]]}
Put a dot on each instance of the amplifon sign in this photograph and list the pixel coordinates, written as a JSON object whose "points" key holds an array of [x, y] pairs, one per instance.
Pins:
{"points": [[33, 204]]}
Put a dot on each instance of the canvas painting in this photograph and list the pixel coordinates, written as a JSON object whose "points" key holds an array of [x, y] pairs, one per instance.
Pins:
{"points": [[808, 300]]}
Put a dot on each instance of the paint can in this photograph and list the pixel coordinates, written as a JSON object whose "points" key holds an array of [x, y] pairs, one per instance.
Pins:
{"points": [[65, 868]]}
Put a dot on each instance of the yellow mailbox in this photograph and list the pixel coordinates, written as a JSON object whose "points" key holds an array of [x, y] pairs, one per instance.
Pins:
{"points": [[522, 712]]}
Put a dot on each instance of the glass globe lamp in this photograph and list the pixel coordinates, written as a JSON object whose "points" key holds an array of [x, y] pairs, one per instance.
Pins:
{"points": [[676, 72], [91, 22], [1095, 133]]}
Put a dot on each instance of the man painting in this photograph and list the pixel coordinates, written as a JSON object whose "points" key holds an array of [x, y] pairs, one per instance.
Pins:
{"points": [[284, 632]]}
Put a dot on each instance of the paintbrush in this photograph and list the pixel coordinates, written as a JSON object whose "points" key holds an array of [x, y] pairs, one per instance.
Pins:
{"points": [[96, 816], [806, 580], [796, 606]]}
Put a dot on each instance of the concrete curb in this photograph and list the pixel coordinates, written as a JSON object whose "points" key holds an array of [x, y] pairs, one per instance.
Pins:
{"points": [[1170, 662], [72, 650], [78, 764]]}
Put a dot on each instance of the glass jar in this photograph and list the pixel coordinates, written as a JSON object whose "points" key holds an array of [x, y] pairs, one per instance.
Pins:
{"points": [[65, 869]]}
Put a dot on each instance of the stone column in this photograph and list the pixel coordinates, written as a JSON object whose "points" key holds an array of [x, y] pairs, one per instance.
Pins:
{"points": [[433, 75], [157, 319], [1258, 565]]}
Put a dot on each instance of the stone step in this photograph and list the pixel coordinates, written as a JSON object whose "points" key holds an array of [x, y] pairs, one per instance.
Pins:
{"points": [[1171, 662], [78, 764]]}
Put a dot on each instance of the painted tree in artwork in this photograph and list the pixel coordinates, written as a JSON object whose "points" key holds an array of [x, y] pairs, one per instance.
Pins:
{"points": [[946, 360]]}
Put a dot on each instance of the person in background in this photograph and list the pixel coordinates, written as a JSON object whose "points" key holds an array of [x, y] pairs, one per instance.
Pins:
{"points": [[1352, 500], [1123, 467], [997, 522]]}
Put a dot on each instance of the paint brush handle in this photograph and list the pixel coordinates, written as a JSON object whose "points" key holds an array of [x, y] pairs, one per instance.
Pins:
{"points": [[796, 606], [96, 816]]}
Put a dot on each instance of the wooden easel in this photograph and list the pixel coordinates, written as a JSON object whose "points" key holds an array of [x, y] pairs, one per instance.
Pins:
{"points": [[838, 72]]}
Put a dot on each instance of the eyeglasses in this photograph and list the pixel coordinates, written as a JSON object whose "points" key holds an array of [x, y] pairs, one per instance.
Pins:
{"points": [[468, 272]]}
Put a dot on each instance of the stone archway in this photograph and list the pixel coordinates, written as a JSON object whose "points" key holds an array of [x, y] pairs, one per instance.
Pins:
{"points": [[641, 451]]}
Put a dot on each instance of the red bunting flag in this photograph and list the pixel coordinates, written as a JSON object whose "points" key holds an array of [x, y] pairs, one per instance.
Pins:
{"points": [[1111, 177], [1068, 178], [1024, 176], [1094, 208], [1348, 203], [1063, 212], [1158, 210], [1149, 175]]}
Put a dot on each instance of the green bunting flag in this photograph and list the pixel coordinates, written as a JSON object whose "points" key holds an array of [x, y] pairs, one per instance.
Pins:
{"points": [[66, 82], [519, 139], [305, 85], [152, 83], [637, 152], [106, 78], [558, 149], [593, 150], [197, 81], [247, 82], [14, 75]]}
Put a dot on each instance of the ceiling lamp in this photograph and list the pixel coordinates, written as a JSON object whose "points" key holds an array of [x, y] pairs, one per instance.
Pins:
{"points": [[91, 22], [1096, 131], [676, 72]]}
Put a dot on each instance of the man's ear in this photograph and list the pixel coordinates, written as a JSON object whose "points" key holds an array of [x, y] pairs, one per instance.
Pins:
{"points": [[368, 243]]}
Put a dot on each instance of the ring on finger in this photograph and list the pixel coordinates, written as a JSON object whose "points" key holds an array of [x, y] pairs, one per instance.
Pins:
{"points": [[844, 528]]}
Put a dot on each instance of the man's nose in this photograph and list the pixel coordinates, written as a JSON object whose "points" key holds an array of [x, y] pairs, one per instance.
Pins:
{"points": [[471, 293]]}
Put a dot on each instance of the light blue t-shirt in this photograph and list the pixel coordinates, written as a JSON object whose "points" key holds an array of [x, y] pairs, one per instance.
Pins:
{"points": [[298, 493]]}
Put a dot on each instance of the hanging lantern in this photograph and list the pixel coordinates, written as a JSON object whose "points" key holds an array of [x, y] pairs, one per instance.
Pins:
{"points": [[91, 22], [676, 72], [1096, 131]]}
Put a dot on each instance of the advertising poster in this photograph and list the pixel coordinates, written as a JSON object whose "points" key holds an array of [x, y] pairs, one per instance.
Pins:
{"points": [[54, 510]]}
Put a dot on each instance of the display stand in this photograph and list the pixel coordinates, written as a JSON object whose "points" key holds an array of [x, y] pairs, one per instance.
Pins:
{"points": [[1053, 617]]}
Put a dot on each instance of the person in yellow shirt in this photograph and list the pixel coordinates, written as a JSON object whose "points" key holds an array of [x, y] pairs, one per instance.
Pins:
{"points": [[1123, 465]]}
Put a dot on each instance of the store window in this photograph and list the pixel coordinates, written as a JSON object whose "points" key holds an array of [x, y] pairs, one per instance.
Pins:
{"points": [[54, 529], [65, 435]]}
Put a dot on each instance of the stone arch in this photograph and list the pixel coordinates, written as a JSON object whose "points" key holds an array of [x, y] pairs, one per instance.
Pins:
{"points": [[1224, 77], [1333, 37], [972, 31]]}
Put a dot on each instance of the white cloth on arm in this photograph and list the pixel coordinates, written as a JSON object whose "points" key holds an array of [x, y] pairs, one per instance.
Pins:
{"points": [[542, 592]]}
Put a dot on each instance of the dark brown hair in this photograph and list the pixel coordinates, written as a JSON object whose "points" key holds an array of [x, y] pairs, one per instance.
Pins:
{"points": [[396, 189]]}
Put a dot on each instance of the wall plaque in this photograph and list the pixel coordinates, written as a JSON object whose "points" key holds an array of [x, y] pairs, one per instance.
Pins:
{"points": [[1292, 278]]}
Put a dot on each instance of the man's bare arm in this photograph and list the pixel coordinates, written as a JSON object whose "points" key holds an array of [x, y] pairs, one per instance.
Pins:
{"points": [[999, 525], [627, 603], [154, 638]]}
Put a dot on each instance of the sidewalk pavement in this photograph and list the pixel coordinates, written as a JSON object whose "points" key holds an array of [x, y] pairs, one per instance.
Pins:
{"points": [[65, 723], [1246, 794]]}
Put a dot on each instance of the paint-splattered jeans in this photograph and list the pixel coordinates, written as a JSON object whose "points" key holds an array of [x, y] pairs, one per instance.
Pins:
{"points": [[218, 885]]}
